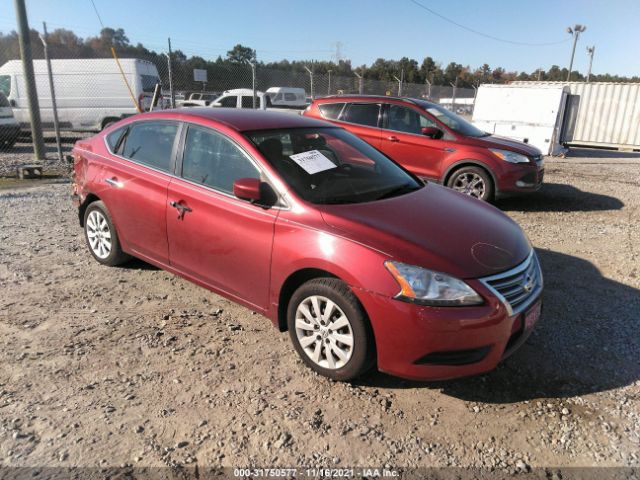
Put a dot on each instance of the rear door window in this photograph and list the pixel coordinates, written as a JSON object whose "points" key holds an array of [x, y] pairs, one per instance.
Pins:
{"points": [[213, 160], [231, 102], [151, 143], [331, 110], [363, 114], [247, 102]]}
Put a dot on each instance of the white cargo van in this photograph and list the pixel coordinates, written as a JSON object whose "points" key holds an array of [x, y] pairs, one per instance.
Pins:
{"points": [[287, 97], [9, 128], [90, 93]]}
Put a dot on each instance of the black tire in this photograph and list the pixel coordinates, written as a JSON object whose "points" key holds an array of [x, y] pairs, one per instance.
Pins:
{"points": [[107, 122], [459, 181], [115, 255], [7, 144], [362, 350]]}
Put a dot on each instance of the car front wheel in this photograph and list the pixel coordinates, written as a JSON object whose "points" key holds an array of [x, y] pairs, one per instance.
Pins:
{"points": [[329, 329], [472, 181]]}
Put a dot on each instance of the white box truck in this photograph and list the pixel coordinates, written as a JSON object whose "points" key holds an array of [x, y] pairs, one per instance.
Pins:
{"points": [[90, 93]]}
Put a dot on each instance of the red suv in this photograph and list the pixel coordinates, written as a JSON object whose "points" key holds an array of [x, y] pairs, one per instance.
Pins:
{"points": [[309, 225], [436, 144]]}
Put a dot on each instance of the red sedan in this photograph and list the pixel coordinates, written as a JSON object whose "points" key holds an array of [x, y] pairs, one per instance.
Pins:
{"points": [[307, 224]]}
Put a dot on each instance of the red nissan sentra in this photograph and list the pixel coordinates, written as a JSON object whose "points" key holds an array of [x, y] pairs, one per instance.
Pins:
{"points": [[309, 225]]}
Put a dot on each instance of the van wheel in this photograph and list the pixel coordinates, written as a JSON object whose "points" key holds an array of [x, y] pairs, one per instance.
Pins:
{"points": [[101, 235], [330, 330], [472, 181], [107, 122], [7, 144]]}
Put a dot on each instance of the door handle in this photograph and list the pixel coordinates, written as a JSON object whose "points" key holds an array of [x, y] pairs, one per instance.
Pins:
{"points": [[113, 182], [393, 138], [182, 209]]}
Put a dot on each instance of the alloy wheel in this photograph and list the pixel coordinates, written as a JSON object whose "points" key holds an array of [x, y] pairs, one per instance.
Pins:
{"points": [[98, 234], [324, 332], [470, 183]]}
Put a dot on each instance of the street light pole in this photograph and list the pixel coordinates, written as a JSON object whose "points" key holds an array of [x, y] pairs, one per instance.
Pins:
{"points": [[576, 31], [311, 77], [590, 52], [360, 83], [329, 87]]}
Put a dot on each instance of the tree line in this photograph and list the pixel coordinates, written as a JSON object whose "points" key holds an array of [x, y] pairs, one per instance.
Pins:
{"points": [[65, 43]]}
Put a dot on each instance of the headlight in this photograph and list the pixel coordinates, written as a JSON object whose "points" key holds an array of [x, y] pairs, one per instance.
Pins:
{"points": [[427, 287], [509, 156]]}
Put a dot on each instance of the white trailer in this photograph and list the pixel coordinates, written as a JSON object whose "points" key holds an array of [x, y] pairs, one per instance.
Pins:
{"points": [[599, 114], [90, 93], [531, 114]]}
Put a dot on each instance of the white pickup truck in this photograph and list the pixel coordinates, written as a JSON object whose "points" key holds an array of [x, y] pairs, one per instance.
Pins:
{"points": [[198, 99]]}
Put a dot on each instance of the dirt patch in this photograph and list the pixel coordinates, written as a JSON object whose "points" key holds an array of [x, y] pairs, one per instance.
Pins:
{"points": [[134, 366]]}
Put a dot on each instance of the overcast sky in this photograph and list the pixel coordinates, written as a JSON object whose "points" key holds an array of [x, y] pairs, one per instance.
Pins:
{"points": [[365, 30]]}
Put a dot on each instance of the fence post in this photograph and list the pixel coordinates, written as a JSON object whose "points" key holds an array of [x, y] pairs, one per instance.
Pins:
{"points": [[30, 80], [171, 93], [360, 85], [313, 96], [54, 106]]}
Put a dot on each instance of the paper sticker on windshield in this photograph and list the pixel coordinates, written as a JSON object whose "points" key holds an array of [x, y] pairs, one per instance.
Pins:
{"points": [[312, 161]]}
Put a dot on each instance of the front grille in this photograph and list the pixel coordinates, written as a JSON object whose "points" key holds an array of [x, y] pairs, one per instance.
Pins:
{"points": [[519, 287]]}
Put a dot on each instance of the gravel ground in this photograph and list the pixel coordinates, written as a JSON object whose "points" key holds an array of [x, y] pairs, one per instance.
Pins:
{"points": [[110, 367]]}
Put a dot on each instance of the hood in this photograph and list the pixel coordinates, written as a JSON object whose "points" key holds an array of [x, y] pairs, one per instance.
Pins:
{"points": [[436, 228], [496, 141]]}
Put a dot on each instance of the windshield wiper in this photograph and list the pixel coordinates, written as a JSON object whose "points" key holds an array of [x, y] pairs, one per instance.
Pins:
{"points": [[400, 190]]}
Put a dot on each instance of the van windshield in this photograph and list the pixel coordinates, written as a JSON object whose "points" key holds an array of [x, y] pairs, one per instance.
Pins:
{"points": [[149, 83], [332, 166], [3, 101], [451, 120]]}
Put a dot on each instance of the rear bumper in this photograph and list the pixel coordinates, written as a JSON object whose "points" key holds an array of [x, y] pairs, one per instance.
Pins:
{"points": [[428, 343]]}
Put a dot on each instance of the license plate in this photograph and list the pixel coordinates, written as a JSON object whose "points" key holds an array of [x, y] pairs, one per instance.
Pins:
{"points": [[532, 316]]}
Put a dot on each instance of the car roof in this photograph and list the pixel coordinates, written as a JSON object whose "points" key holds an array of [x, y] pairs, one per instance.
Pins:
{"points": [[369, 98], [243, 120]]}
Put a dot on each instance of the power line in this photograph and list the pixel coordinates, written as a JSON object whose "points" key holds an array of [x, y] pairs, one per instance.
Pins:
{"points": [[97, 13], [497, 39]]}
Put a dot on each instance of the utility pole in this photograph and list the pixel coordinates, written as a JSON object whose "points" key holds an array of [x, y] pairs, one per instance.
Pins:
{"points": [[590, 52], [539, 73], [171, 92], [329, 87], [30, 79], [54, 106], [313, 97], [360, 84], [428, 88], [576, 31]]}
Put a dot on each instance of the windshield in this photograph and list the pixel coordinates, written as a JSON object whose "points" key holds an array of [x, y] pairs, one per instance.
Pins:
{"points": [[332, 166], [451, 120]]}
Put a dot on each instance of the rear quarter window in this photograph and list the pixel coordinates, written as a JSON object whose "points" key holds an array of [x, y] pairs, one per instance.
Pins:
{"points": [[113, 139], [331, 110]]}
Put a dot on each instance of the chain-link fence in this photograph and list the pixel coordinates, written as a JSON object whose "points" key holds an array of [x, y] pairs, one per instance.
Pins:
{"points": [[91, 88]]}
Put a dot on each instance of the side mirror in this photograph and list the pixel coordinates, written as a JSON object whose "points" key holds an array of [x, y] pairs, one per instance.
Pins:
{"points": [[247, 189], [432, 132]]}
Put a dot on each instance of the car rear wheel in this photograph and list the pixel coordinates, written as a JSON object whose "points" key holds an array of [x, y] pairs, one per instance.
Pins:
{"points": [[329, 329], [472, 181], [101, 235]]}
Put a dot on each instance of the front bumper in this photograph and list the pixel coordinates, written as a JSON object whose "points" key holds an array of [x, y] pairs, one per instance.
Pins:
{"points": [[435, 343], [521, 178]]}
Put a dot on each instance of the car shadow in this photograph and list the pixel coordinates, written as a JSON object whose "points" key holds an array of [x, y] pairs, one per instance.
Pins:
{"points": [[600, 153], [585, 342], [137, 264], [557, 197]]}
